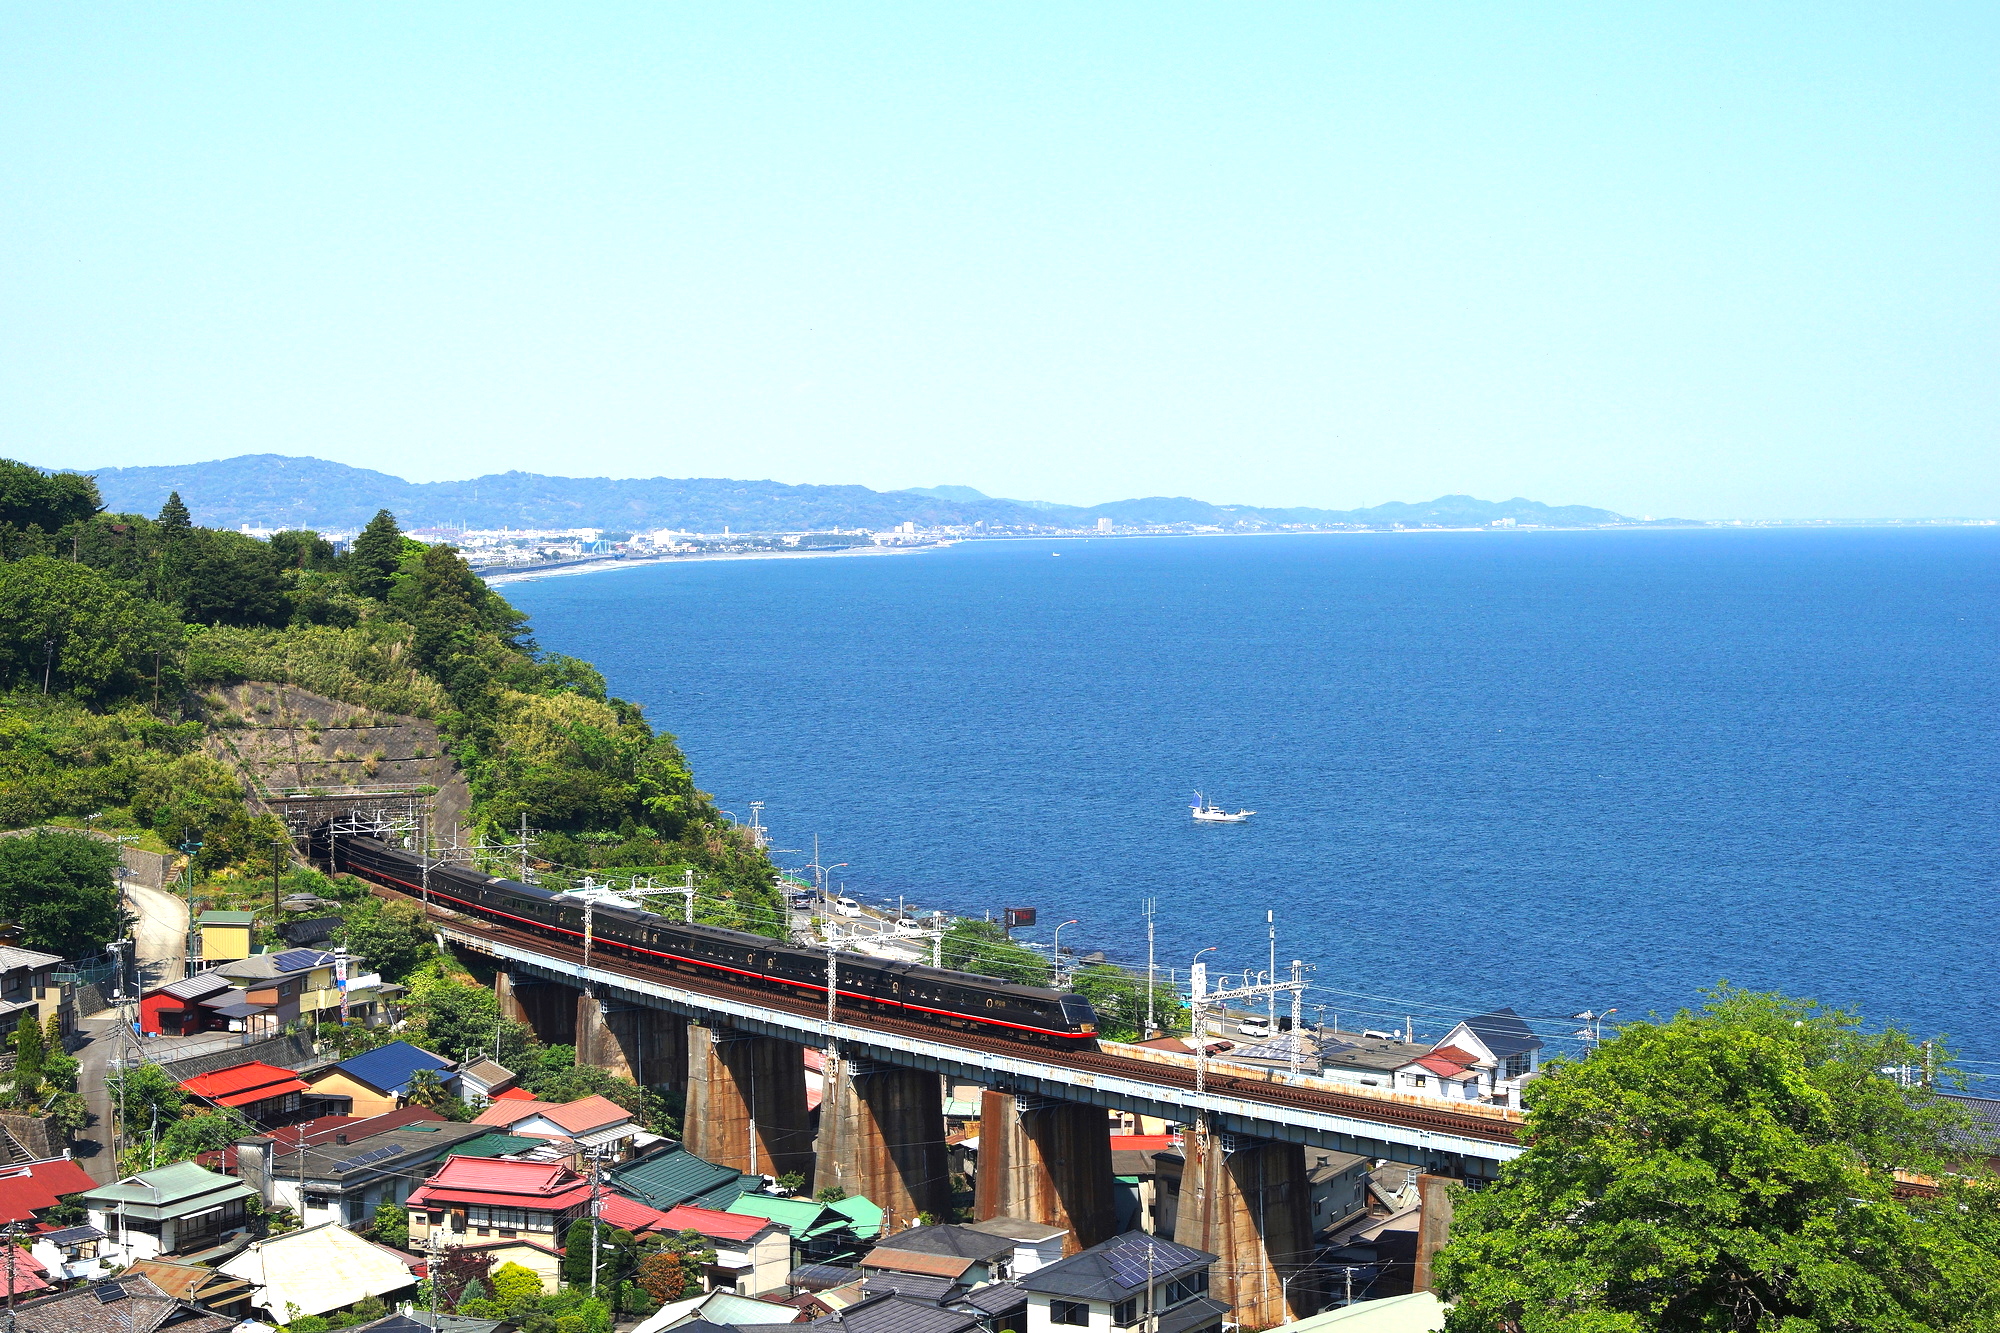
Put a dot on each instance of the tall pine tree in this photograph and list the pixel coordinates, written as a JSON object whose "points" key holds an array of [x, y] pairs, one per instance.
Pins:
{"points": [[376, 554], [174, 519]]}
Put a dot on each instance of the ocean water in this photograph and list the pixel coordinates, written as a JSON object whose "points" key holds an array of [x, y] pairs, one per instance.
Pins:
{"points": [[1554, 771]]}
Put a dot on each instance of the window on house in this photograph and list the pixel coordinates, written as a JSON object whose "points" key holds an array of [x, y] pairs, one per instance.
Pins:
{"points": [[1417, 1080], [1070, 1312], [1517, 1065], [1125, 1313], [1471, 1088], [1186, 1289], [480, 1215]]}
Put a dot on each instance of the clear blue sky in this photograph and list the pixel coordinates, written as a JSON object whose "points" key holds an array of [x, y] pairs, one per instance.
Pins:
{"points": [[1720, 261]]}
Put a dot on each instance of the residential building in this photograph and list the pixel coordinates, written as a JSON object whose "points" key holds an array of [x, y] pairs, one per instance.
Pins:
{"points": [[373, 1083], [820, 1233], [28, 985], [1133, 1168], [473, 1200], [178, 1008], [1366, 1060], [1505, 1052], [180, 1209], [1339, 1185], [318, 1270], [1108, 1287], [1036, 1244], [363, 1165], [1447, 1073], [894, 1313], [962, 1253], [266, 1094], [128, 1303], [594, 1123], [29, 1188], [69, 1253], [1000, 1307], [285, 987], [674, 1176], [753, 1255], [225, 936], [482, 1081], [198, 1284]]}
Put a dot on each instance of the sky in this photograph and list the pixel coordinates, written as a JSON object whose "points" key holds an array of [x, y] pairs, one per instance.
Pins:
{"points": [[1704, 260]]}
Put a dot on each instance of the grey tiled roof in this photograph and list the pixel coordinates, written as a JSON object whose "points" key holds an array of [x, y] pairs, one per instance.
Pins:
{"points": [[1113, 1270], [136, 1306], [994, 1297], [917, 1286], [1504, 1033], [896, 1314], [1198, 1313], [959, 1242]]}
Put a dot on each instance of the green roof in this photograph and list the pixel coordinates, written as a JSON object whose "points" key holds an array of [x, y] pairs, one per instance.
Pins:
{"points": [[671, 1178], [863, 1213], [495, 1145], [226, 919], [728, 1192], [802, 1217], [169, 1191]]}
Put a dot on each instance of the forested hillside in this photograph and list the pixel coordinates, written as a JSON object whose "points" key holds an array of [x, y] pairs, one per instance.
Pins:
{"points": [[112, 627]]}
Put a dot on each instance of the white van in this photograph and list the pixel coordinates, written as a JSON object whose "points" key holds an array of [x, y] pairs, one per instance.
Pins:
{"points": [[846, 907], [1255, 1027]]}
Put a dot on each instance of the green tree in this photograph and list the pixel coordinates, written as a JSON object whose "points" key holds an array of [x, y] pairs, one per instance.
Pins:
{"points": [[225, 578], [391, 1225], [983, 947], [28, 1056], [513, 1284], [1119, 997], [426, 1089], [58, 887], [394, 937], [51, 501], [174, 519], [1731, 1168], [617, 1254], [64, 626], [372, 562], [450, 1014], [302, 549]]}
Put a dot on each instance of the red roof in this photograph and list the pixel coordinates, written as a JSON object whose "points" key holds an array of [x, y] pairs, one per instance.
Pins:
{"points": [[631, 1215], [710, 1223], [591, 1113], [1447, 1061], [542, 1185], [514, 1095], [239, 1085], [27, 1189], [1141, 1142]]}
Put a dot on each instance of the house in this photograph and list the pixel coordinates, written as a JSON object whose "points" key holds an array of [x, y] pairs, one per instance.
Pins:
{"points": [[264, 1093], [69, 1254], [753, 1255], [675, 1176], [289, 986], [962, 1253], [366, 1163], [820, 1234], [998, 1306], [29, 1188], [484, 1080], [23, 1274], [1134, 1168], [482, 1202], [28, 986], [1368, 1060], [318, 1270], [893, 1313], [178, 1209], [1108, 1287], [196, 1284], [717, 1312], [594, 1122], [176, 1009], [128, 1303], [1505, 1052], [1447, 1073], [225, 936], [1338, 1182], [1036, 1244], [1417, 1312], [374, 1082]]}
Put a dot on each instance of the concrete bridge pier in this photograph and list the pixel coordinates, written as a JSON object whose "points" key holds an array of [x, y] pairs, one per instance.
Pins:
{"points": [[548, 1008], [746, 1101], [881, 1134], [1046, 1161], [648, 1046], [1248, 1201]]}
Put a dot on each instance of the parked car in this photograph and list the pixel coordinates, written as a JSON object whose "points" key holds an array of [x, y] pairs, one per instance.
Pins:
{"points": [[1255, 1027], [847, 907]]}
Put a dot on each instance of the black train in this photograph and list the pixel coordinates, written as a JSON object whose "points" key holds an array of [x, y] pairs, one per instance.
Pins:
{"points": [[953, 999]]}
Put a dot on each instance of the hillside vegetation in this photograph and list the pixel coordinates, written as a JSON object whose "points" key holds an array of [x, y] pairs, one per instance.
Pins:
{"points": [[124, 639]]}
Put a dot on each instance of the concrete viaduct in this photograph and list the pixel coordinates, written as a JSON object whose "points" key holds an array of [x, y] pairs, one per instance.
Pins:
{"points": [[1045, 1150]]}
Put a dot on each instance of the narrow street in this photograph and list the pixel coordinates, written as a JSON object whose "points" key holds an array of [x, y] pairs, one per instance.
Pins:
{"points": [[161, 931]]}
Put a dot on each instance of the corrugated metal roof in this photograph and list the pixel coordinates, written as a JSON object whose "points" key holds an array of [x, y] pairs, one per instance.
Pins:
{"points": [[389, 1067], [673, 1177]]}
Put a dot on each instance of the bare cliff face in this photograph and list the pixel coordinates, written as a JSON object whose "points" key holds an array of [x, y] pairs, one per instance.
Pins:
{"points": [[280, 738]]}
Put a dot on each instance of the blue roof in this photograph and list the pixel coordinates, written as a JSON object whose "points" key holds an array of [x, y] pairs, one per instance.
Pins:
{"points": [[389, 1067]]}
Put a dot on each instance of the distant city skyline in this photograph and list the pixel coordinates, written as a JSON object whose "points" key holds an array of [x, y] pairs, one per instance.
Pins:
{"points": [[1701, 260]]}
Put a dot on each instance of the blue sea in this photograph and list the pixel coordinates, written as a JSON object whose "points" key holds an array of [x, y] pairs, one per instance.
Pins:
{"points": [[1554, 771]]}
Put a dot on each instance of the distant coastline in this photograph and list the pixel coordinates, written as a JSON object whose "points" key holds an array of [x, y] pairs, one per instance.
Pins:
{"points": [[497, 575]]}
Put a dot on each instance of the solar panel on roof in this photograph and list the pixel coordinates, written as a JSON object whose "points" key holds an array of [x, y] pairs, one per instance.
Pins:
{"points": [[108, 1292], [1135, 1261], [292, 960]]}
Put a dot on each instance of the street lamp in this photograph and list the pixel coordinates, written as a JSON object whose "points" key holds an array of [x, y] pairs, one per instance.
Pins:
{"points": [[1058, 951], [1593, 1026]]}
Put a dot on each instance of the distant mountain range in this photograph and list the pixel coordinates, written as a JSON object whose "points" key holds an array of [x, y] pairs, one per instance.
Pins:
{"points": [[275, 491]]}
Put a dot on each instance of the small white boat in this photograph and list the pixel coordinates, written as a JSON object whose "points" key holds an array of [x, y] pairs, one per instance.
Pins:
{"points": [[1209, 813]]}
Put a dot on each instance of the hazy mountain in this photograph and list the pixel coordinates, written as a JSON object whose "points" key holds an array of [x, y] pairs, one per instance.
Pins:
{"points": [[271, 490]]}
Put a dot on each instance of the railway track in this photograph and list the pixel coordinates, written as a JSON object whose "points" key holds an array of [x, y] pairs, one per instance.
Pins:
{"points": [[1166, 1076]]}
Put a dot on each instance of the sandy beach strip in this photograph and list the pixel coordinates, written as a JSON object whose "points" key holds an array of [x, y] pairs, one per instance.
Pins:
{"points": [[500, 576]]}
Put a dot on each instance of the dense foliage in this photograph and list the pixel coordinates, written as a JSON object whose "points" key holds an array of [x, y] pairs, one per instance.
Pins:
{"points": [[57, 886], [1732, 1169], [111, 625]]}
